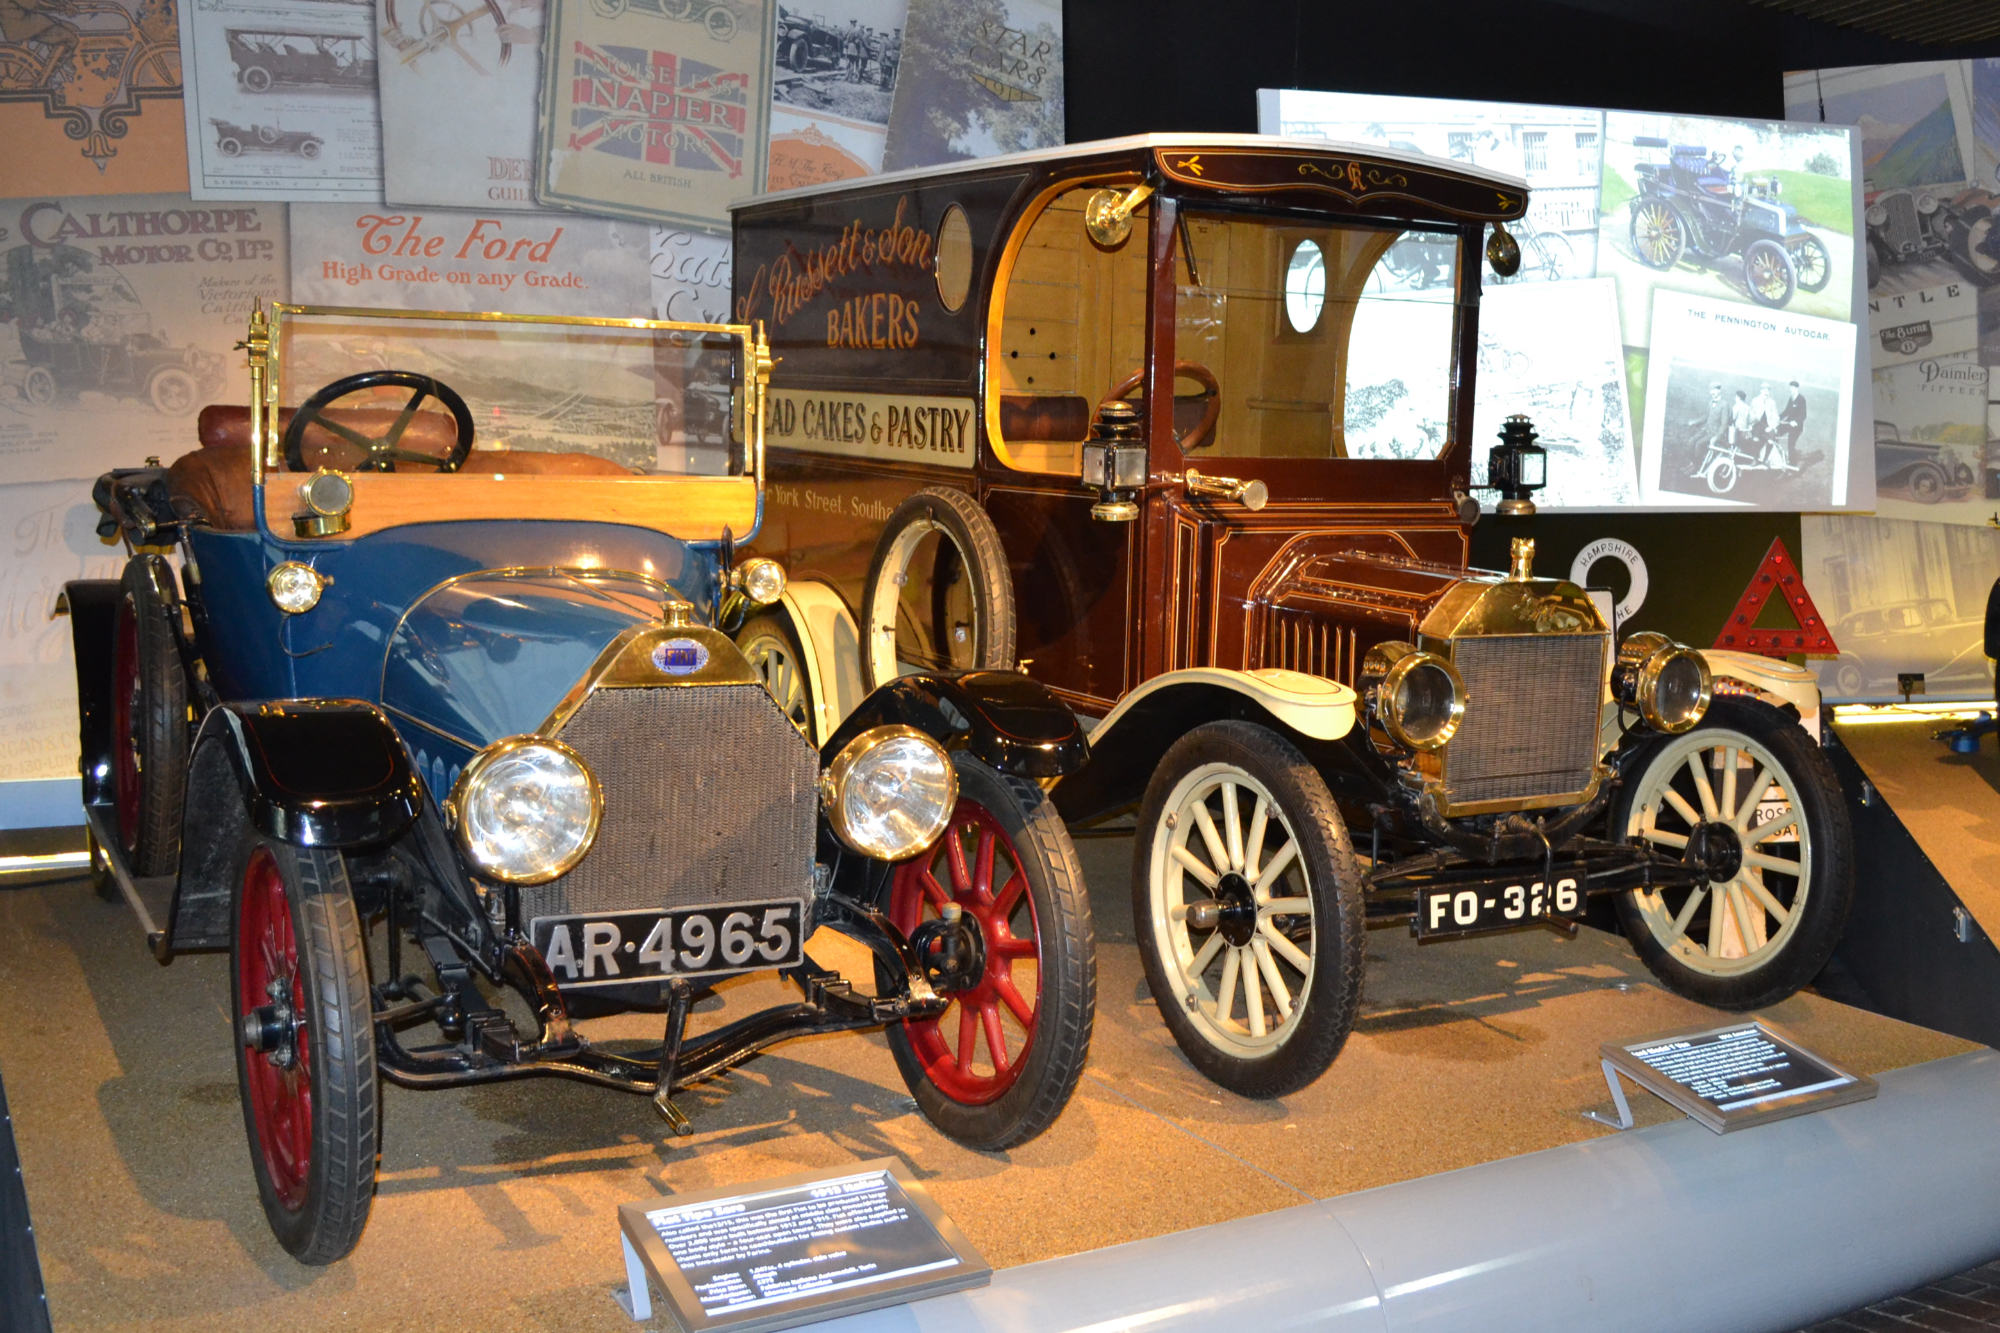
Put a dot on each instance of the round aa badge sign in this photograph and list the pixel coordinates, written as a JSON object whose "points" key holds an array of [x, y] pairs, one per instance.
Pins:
{"points": [[680, 657]]}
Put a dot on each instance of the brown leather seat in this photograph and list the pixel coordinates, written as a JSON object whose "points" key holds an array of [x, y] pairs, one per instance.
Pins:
{"points": [[215, 479]]}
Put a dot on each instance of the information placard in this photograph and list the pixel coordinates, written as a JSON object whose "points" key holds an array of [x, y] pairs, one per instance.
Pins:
{"points": [[1732, 1077], [793, 1250]]}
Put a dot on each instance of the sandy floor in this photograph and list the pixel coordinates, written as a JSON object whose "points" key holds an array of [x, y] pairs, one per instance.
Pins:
{"points": [[496, 1204], [1949, 802]]}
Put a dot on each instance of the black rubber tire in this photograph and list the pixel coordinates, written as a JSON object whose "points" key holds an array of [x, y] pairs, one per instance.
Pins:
{"points": [[1927, 483], [1673, 230], [1821, 269], [1333, 997], [1830, 884], [256, 79], [1068, 965], [772, 630], [332, 956], [158, 735], [1777, 256], [956, 515]]}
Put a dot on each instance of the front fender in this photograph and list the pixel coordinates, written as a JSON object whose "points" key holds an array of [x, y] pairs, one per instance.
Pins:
{"points": [[1004, 719], [1128, 745], [320, 773], [92, 605]]}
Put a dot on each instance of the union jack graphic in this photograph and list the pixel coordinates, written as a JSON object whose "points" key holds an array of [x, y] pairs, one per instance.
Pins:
{"points": [[653, 106]]}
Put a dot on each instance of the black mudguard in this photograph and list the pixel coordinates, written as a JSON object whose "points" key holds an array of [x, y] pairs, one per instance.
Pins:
{"points": [[324, 773], [1005, 720], [93, 614]]}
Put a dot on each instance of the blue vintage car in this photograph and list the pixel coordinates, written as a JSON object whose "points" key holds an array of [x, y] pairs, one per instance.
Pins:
{"points": [[439, 698], [1695, 205]]}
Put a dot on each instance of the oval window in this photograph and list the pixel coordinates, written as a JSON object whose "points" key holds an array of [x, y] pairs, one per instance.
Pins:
{"points": [[954, 258], [1305, 286]]}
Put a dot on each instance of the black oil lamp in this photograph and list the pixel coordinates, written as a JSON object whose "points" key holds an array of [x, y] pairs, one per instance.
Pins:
{"points": [[1114, 461], [1517, 467]]}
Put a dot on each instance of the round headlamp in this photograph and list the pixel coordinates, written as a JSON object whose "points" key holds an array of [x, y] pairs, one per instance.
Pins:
{"points": [[1669, 683], [1927, 203], [526, 809], [1876, 215], [890, 792], [295, 587], [762, 580], [1421, 701]]}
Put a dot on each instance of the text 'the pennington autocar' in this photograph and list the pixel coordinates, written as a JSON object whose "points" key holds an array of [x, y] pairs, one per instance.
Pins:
{"points": [[436, 726]]}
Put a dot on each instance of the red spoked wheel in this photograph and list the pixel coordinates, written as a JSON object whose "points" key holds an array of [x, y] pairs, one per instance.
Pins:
{"points": [[271, 997], [305, 1047], [975, 868], [999, 1064]]}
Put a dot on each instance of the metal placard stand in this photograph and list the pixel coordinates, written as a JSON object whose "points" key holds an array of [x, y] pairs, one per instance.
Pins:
{"points": [[1729, 1077], [793, 1250]]}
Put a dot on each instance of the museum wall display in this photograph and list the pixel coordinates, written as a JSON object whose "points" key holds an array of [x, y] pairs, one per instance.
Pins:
{"points": [[1702, 272], [1905, 592]]}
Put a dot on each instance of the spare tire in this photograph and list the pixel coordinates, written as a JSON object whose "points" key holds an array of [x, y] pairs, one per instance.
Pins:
{"points": [[937, 597]]}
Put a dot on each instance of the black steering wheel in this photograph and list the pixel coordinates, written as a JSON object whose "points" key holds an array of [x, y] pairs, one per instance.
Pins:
{"points": [[383, 452]]}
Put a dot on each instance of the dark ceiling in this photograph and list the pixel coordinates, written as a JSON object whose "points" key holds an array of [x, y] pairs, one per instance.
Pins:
{"points": [[1929, 22]]}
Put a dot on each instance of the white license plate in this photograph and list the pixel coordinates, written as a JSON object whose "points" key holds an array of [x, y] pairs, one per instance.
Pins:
{"points": [[1773, 807], [620, 948], [1481, 907]]}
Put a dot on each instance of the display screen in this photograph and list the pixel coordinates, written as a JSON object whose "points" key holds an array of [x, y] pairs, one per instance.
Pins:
{"points": [[1682, 330]]}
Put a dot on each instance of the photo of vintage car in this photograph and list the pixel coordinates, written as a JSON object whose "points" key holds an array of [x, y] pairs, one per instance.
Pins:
{"points": [[1924, 471], [267, 60], [1908, 226], [1143, 421], [233, 140], [717, 16], [82, 329], [1923, 636], [1694, 205], [450, 748]]}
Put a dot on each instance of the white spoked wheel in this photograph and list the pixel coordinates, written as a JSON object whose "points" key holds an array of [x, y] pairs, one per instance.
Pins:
{"points": [[775, 656], [1225, 840], [1248, 907], [1749, 797]]}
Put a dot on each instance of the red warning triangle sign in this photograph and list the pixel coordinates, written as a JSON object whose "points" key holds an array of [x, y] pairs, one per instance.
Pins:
{"points": [[1776, 574]]}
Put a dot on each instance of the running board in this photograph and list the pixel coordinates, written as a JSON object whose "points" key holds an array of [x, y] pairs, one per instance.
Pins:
{"points": [[105, 833]]}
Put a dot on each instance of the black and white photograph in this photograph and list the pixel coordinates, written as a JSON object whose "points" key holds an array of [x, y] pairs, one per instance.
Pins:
{"points": [[1556, 149], [1747, 407], [832, 84], [1551, 352], [1900, 597]]}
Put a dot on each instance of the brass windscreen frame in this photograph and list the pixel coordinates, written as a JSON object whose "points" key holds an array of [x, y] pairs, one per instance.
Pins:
{"points": [[265, 347]]}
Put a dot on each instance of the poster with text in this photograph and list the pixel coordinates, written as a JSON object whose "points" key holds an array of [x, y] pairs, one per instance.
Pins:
{"points": [[438, 259], [1930, 439], [49, 533], [118, 323], [981, 77], [1928, 322], [657, 110], [280, 99], [90, 97], [831, 90], [459, 86], [1747, 406]]}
